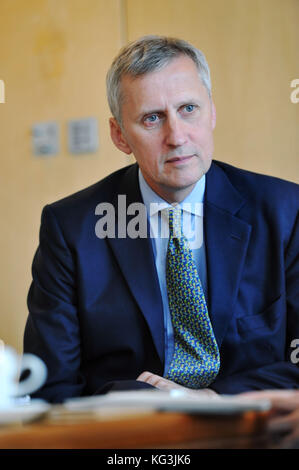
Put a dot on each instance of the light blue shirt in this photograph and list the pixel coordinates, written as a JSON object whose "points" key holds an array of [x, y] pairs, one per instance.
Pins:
{"points": [[192, 207]]}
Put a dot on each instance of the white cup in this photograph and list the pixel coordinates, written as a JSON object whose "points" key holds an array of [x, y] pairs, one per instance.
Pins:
{"points": [[11, 366]]}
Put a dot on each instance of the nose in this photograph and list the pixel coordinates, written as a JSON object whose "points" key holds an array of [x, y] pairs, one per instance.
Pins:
{"points": [[174, 132]]}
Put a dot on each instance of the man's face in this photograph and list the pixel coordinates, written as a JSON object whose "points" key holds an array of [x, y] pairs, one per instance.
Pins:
{"points": [[167, 123]]}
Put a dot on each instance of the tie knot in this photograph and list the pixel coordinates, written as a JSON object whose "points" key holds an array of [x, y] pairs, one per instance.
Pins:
{"points": [[175, 222]]}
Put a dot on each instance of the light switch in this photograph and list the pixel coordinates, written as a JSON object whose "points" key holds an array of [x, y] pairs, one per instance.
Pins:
{"points": [[45, 138], [83, 135]]}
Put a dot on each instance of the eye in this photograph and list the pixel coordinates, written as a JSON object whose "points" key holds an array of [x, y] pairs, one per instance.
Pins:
{"points": [[189, 108], [151, 120]]}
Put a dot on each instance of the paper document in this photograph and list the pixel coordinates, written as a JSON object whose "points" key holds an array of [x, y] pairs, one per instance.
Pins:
{"points": [[175, 401]]}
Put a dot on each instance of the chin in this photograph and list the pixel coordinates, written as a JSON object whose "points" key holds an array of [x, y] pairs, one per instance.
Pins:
{"points": [[189, 180]]}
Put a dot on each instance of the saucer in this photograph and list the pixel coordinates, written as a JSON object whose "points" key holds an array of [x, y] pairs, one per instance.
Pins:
{"points": [[24, 413]]}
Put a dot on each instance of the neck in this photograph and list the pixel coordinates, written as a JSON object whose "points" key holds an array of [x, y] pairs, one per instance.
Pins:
{"points": [[174, 196]]}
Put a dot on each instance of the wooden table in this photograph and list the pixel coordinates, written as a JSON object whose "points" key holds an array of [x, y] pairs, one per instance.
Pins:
{"points": [[152, 430]]}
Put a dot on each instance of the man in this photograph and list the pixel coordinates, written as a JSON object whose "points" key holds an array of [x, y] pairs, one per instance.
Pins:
{"points": [[124, 311]]}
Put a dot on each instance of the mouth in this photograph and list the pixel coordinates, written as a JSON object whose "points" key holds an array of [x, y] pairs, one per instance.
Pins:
{"points": [[179, 160]]}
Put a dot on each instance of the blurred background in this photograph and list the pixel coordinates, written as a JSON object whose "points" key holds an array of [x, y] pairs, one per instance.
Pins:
{"points": [[54, 55]]}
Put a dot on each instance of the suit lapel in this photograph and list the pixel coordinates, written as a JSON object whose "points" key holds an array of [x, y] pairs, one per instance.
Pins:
{"points": [[226, 240], [136, 260]]}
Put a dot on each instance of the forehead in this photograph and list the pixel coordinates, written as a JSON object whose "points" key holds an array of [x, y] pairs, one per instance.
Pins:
{"points": [[180, 76]]}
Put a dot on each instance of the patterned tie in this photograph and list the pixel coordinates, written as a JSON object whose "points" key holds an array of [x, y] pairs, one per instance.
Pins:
{"points": [[196, 359]]}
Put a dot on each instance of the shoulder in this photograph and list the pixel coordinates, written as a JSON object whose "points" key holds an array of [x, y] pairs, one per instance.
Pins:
{"points": [[268, 202], [260, 187], [105, 189], [78, 209]]}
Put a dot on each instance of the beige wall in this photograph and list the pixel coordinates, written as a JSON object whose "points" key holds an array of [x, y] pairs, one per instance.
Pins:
{"points": [[53, 58]]}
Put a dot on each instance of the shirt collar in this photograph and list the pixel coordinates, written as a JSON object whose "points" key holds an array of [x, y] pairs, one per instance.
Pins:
{"points": [[193, 203]]}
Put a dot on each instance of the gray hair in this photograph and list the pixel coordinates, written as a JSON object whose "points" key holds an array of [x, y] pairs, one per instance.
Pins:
{"points": [[145, 55]]}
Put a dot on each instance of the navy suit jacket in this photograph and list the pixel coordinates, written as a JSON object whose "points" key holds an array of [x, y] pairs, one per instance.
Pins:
{"points": [[95, 308]]}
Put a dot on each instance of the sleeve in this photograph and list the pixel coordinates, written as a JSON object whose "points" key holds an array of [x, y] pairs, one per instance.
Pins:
{"points": [[52, 329], [282, 374]]}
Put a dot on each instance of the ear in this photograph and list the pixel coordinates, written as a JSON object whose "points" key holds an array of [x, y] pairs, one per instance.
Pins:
{"points": [[213, 115], [117, 137]]}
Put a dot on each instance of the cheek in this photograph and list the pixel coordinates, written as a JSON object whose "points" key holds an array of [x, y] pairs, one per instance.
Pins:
{"points": [[203, 137], [147, 155], [147, 149]]}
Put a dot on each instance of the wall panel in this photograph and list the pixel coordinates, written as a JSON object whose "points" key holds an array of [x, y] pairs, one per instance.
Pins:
{"points": [[53, 59]]}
